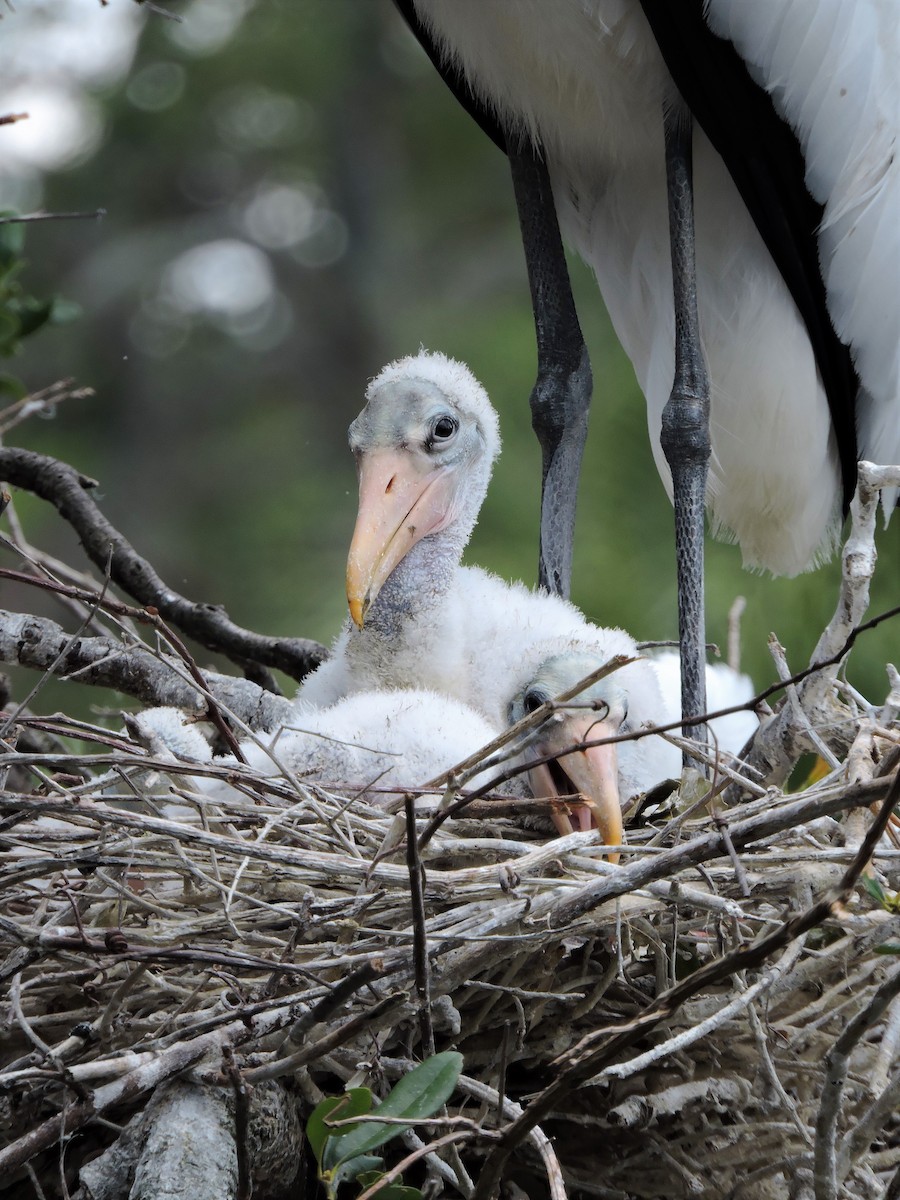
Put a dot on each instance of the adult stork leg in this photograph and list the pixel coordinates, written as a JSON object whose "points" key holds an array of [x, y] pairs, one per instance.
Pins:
{"points": [[685, 422], [561, 395]]}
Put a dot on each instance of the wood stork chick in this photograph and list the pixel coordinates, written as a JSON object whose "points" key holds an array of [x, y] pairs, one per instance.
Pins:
{"points": [[425, 444], [604, 777], [640, 695]]}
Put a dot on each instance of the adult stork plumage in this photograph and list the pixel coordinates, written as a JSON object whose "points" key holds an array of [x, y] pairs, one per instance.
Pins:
{"points": [[777, 232]]}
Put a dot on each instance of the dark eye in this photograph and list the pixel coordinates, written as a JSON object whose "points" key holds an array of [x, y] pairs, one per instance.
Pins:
{"points": [[444, 428], [532, 700]]}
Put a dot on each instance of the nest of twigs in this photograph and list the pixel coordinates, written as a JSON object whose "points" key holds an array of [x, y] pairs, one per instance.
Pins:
{"points": [[713, 1017], [194, 955]]}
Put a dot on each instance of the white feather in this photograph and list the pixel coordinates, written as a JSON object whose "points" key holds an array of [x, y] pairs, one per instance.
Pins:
{"points": [[387, 740], [587, 79], [831, 68], [174, 729], [724, 689]]}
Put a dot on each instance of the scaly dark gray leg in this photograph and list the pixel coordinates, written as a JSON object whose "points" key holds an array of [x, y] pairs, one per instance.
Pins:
{"points": [[561, 395], [685, 423]]}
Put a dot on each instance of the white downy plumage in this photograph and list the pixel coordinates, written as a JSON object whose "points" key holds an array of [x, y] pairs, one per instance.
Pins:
{"points": [[425, 444], [725, 688], [422, 620], [587, 80], [386, 741]]}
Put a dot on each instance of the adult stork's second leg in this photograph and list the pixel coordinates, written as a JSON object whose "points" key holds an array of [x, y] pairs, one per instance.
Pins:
{"points": [[561, 395], [685, 422]]}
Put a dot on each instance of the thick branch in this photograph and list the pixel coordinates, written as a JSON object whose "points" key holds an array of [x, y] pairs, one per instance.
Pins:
{"points": [[136, 1083], [40, 644], [779, 743], [68, 491], [838, 1065], [760, 827]]}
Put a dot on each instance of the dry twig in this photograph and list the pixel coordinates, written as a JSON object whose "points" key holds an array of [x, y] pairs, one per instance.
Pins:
{"points": [[68, 491], [162, 918]]}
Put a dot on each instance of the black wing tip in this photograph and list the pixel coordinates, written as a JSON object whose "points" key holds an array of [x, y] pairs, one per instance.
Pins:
{"points": [[453, 76]]}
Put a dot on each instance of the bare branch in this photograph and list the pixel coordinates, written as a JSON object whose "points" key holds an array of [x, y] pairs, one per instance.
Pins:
{"points": [[96, 215], [134, 670], [43, 402], [420, 942], [779, 742], [67, 490], [242, 1091], [836, 1076]]}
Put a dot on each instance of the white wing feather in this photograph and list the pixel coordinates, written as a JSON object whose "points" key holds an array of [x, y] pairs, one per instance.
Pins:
{"points": [[832, 70]]}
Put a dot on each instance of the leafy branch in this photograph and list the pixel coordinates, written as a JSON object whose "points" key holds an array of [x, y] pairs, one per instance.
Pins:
{"points": [[21, 313], [343, 1145]]}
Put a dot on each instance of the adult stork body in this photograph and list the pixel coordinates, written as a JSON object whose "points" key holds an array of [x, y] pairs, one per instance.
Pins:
{"points": [[777, 233]]}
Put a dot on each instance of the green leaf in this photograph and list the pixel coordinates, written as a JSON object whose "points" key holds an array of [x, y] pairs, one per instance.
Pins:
{"points": [[33, 313], [11, 388], [888, 948], [874, 888], [9, 333], [351, 1168], [391, 1191], [354, 1103], [418, 1094], [12, 239]]}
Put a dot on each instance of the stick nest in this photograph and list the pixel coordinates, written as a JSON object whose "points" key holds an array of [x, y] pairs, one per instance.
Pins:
{"points": [[153, 924]]}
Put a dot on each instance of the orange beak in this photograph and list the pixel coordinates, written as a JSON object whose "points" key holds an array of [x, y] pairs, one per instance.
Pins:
{"points": [[398, 506], [591, 774]]}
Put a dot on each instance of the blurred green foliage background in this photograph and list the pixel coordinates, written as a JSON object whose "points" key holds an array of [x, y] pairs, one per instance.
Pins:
{"points": [[293, 199]]}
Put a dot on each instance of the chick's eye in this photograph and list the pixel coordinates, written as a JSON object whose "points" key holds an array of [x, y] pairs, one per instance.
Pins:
{"points": [[444, 428], [532, 701]]}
